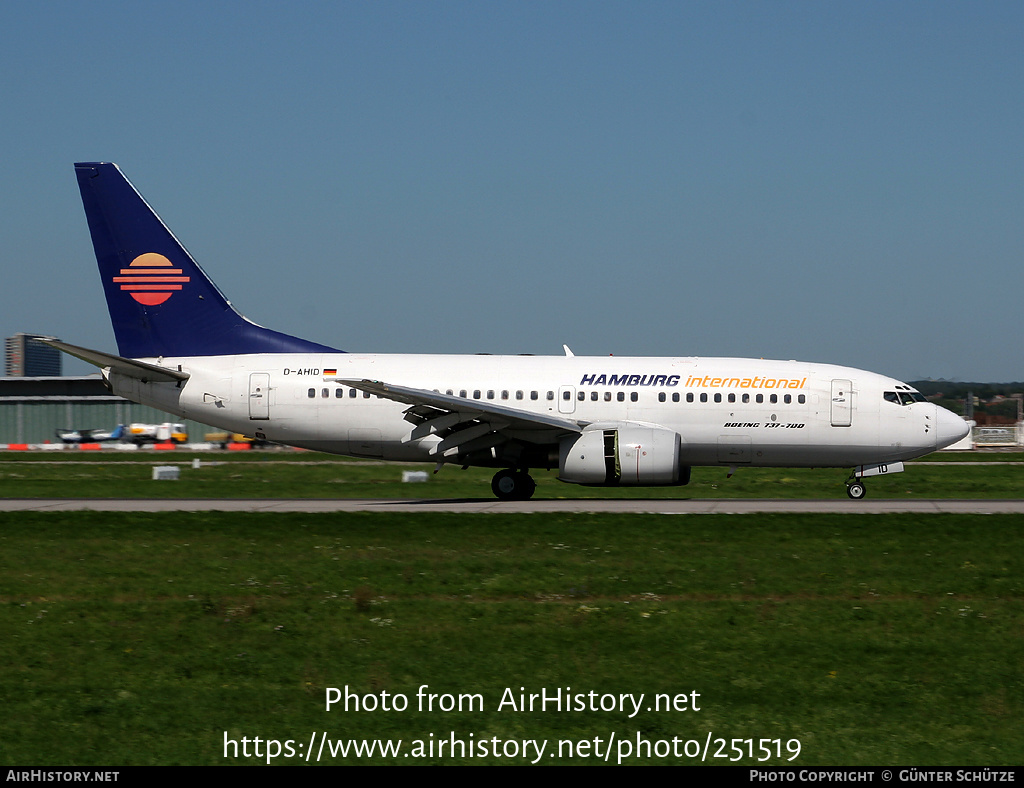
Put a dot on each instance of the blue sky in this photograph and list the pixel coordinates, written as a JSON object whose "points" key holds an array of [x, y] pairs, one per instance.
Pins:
{"points": [[835, 182]]}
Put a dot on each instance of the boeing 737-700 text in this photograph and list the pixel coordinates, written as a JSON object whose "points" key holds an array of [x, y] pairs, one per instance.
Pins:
{"points": [[606, 421]]}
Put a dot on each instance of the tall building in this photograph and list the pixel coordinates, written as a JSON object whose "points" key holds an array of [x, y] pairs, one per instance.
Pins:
{"points": [[27, 357]]}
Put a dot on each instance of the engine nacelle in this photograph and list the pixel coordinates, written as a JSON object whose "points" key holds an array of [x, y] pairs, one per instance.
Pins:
{"points": [[622, 454]]}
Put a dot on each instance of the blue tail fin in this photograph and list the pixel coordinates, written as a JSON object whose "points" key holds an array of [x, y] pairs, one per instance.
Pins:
{"points": [[161, 302]]}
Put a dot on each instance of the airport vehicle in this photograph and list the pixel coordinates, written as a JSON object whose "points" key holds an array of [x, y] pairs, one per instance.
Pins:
{"points": [[91, 436], [236, 439], [639, 421], [167, 432]]}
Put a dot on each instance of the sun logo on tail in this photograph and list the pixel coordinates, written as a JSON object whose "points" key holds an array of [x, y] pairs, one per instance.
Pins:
{"points": [[151, 279]]}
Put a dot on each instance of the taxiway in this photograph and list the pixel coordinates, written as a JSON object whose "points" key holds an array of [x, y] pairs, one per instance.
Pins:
{"points": [[491, 505]]}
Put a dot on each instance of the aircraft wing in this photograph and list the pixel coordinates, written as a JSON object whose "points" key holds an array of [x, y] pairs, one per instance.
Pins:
{"points": [[467, 425]]}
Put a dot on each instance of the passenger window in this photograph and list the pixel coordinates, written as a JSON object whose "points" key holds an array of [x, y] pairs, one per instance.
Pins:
{"points": [[773, 398], [462, 392], [366, 395], [490, 394], [801, 399], [550, 395], [476, 393], [788, 399], [718, 397], [593, 396], [504, 394], [632, 396], [746, 398], [689, 396], [759, 398], [620, 396], [534, 395], [675, 396], [351, 393], [732, 397], [519, 394], [311, 393], [339, 393], [607, 396], [661, 396], [703, 396], [580, 396]]}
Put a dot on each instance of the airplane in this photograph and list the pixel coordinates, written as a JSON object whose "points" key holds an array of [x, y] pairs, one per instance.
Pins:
{"points": [[601, 421], [91, 436]]}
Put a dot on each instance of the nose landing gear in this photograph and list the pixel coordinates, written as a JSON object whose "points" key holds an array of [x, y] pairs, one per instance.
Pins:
{"points": [[855, 484], [855, 489]]}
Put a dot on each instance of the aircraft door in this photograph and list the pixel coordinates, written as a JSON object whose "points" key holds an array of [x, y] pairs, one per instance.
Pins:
{"points": [[842, 403], [259, 395]]}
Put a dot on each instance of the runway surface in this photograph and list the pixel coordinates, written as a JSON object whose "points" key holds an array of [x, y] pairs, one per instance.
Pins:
{"points": [[490, 505]]}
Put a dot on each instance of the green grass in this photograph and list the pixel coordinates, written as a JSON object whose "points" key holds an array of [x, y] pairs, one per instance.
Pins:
{"points": [[307, 475], [146, 638]]}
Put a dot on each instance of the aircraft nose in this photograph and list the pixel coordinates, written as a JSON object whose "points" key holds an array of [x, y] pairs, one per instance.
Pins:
{"points": [[949, 428]]}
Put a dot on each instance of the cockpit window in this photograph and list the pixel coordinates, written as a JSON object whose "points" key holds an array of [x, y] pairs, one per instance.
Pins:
{"points": [[904, 397]]}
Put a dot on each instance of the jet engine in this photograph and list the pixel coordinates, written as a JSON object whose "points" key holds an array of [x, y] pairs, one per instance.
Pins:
{"points": [[622, 454]]}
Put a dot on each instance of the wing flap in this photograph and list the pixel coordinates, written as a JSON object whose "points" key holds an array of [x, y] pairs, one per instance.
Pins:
{"points": [[442, 420]]}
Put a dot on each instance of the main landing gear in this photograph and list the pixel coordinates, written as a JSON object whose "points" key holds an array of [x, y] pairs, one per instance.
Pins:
{"points": [[513, 485]]}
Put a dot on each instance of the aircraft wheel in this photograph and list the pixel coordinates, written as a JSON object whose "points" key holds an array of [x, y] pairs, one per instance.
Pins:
{"points": [[528, 484], [510, 485], [856, 490]]}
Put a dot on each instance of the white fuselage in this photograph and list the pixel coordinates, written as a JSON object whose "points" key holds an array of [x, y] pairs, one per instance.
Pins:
{"points": [[727, 411]]}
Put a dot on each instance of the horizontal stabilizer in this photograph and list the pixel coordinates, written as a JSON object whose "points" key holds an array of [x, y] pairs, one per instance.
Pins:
{"points": [[123, 366]]}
